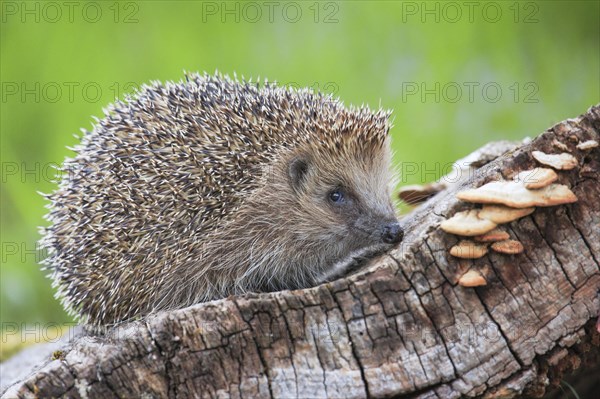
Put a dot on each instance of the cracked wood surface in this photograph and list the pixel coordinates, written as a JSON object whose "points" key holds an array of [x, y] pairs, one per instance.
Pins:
{"points": [[401, 325]]}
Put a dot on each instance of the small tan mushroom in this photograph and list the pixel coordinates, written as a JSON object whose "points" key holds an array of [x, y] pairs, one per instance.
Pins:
{"points": [[573, 138], [472, 278], [494, 235], [510, 247], [468, 250], [467, 223], [564, 161], [417, 193], [536, 178], [517, 196], [560, 145], [500, 214], [587, 145]]}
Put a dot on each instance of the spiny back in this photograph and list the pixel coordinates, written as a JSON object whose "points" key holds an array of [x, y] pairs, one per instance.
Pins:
{"points": [[170, 165]]}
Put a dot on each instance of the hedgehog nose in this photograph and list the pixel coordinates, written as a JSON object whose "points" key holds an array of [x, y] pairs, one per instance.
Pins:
{"points": [[392, 233]]}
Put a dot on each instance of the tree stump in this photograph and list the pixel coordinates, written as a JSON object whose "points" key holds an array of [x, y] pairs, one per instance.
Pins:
{"points": [[401, 325]]}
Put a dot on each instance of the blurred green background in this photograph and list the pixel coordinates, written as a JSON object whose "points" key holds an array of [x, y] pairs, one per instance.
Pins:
{"points": [[457, 75]]}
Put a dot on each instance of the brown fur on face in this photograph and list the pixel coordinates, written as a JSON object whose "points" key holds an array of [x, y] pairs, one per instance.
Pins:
{"points": [[291, 233], [197, 190]]}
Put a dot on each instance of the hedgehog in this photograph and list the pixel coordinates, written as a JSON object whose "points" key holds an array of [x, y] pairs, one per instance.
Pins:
{"points": [[194, 191]]}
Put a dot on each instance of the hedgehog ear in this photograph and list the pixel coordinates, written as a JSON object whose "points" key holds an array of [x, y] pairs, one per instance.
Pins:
{"points": [[297, 171]]}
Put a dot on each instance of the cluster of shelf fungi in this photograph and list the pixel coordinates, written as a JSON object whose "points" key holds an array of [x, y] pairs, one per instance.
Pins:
{"points": [[502, 202]]}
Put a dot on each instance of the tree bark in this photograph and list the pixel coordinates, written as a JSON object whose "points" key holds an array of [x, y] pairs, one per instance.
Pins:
{"points": [[400, 326]]}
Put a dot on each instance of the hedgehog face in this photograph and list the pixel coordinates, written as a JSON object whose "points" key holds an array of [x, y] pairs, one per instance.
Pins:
{"points": [[315, 209], [344, 201]]}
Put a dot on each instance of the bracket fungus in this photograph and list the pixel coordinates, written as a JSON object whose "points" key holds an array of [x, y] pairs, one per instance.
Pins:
{"points": [[472, 278], [587, 145], [536, 178], [492, 236], [517, 195], [416, 193], [504, 202], [510, 247], [468, 250], [467, 223], [563, 161], [560, 145], [501, 214]]}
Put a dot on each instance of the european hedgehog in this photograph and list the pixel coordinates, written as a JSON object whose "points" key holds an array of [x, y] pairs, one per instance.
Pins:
{"points": [[197, 190]]}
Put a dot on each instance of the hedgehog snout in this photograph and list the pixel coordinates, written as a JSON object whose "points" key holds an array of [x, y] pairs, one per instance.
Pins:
{"points": [[379, 230], [392, 233]]}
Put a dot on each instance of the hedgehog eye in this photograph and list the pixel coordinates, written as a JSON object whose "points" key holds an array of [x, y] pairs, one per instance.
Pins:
{"points": [[336, 196]]}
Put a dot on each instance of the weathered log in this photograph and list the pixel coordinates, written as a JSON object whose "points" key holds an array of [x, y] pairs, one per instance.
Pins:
{"points": [[399, 326]]}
